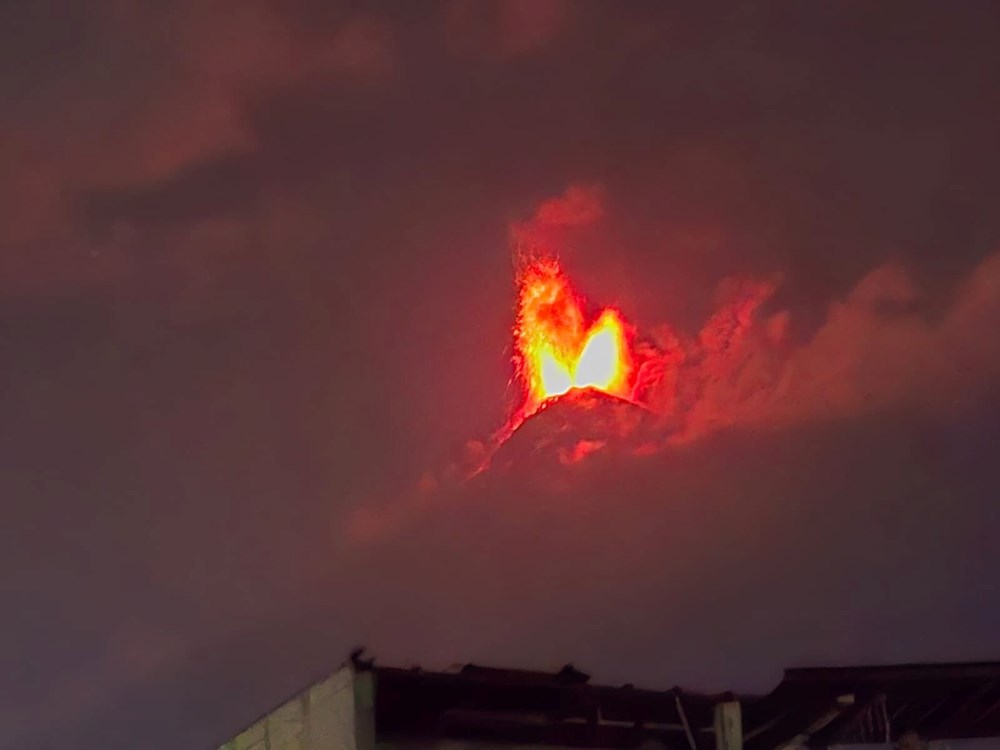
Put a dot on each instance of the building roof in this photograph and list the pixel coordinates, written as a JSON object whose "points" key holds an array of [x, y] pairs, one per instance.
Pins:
{"points": [[938, 701], [817, 707]]}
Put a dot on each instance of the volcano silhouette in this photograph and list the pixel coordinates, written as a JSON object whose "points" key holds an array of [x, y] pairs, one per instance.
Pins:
{"points": [[577, 426]]}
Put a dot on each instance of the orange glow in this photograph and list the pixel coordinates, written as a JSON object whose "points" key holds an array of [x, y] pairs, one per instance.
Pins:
{"points": [[557, 348]]}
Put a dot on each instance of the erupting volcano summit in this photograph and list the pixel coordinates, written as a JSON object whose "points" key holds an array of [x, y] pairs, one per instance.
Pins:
{"points": [[557, 348]]}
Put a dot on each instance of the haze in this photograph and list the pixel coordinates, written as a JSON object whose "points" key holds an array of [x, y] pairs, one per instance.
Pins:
{"points": [[255, 281]]}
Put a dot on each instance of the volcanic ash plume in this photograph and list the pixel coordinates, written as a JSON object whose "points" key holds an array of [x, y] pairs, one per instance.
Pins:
{"points": [[588, 382], [561, 351]]}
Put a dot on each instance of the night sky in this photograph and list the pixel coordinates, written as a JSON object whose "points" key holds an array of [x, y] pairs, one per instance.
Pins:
{"points": [[255, 280]]}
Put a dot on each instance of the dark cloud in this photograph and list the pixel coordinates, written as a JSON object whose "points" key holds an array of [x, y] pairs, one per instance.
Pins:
{"points": [[504, 29], [255, 273]]}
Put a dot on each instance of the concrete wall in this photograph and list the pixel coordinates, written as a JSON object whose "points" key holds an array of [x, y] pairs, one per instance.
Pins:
{"points": [[324, 717]]}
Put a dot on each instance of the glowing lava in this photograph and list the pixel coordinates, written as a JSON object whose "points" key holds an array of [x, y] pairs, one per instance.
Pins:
{"points": [[557, 349]]}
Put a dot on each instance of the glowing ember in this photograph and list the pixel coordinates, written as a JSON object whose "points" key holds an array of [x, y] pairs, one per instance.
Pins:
{"points": [[557, 349]]}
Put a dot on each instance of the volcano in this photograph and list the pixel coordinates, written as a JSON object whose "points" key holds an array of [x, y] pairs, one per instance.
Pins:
{"points": [[579, 369], [581, 424], [588, 379], [590, 392]]}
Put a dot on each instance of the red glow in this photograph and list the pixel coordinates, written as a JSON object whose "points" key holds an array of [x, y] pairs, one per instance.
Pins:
{"points": [[558, 349]]}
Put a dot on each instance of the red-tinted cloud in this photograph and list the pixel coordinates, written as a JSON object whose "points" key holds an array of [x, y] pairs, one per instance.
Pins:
{"points": [[502, 29], [166, 93], [880, 348]]}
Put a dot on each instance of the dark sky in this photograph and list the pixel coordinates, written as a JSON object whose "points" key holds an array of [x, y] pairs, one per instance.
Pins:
{"points": [[255, 279]]}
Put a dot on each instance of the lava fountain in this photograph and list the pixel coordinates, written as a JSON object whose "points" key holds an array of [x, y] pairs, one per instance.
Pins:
{"points": [[559, 349]]}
